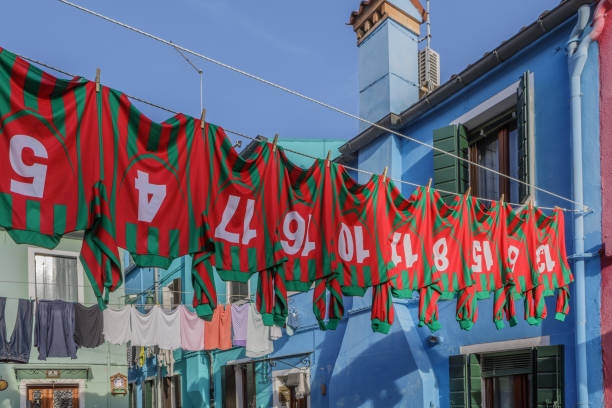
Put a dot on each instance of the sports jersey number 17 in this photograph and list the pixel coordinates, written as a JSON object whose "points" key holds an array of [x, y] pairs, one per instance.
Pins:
{"points": [[228, 213]]}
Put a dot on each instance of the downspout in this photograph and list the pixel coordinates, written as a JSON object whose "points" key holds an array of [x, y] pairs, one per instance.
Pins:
{"points": [[578, 51]]}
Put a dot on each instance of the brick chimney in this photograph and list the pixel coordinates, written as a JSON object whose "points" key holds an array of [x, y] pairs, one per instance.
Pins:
{"points": [[387, 36]]}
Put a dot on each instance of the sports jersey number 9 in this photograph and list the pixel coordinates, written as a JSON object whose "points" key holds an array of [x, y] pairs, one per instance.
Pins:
{"points": [[36, 171], [440, 250]]}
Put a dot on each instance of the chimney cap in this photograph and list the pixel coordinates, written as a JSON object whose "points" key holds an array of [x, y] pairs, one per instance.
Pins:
{"points": [[367, 3]]}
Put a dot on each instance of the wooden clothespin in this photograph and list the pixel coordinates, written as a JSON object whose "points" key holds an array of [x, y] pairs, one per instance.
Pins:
{"points": [[97, 79], [501, 199], [468, 191], [274, 143], [428, 184], [328, 158], [202, 118], [531, 202], [384, 173]]}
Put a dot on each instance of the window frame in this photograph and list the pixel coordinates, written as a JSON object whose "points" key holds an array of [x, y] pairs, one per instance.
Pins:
{"points": [[277, 382], [503, 101], [33, 251], [228, 291]]}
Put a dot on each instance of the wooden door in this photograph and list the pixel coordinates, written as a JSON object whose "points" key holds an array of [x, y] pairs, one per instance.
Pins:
{"points": [[53, 397]]}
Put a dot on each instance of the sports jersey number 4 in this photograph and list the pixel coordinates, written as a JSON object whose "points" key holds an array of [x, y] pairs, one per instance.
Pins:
{"points": [[148, 207], [36, 171]]}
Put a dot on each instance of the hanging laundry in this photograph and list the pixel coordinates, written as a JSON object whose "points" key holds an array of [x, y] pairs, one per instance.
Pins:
{"points": [[218, 332], [45, 119], [169, 329], [192, 330], [17, 348], [240, 225], [117, 325], [145, 326], [258, 342], [240, 315], [54, 329], [165, 358], [88, 326], [275, 332], [142, 356]]}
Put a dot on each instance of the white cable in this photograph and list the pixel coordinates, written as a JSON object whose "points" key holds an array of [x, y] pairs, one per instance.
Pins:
{"points": [[326, 105]]}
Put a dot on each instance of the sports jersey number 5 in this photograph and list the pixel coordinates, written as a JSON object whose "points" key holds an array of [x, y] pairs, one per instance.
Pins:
{"points": [[36, 171], [148, 208]]}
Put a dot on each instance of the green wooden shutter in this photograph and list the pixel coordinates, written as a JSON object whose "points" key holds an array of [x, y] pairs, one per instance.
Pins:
{"points": [[524, 114], [475, 381], [251, 390], [228, 379], [549, 376], [450, 174], [457, 373]]}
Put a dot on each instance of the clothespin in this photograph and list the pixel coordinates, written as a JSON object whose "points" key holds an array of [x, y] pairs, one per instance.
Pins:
{"points": [[328, 158], [202, 118], [468, 191], [274, 143], [531, 202], [97, 79], [428, 184], [501, 199], [384, 173]]}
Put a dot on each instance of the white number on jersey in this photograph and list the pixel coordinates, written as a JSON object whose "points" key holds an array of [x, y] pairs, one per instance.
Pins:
{"points": [[148, 207], [440, 250], [410, 258], [36, 171], [548, 264], [298, 235], [346, 249], [481, 248], [230, 209]]}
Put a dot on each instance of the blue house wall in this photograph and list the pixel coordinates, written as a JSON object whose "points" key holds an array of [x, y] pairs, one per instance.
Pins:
{"points": [[354, 367]]}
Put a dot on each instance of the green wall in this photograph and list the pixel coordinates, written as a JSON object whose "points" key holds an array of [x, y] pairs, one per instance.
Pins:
{"points": [[102, 361]]}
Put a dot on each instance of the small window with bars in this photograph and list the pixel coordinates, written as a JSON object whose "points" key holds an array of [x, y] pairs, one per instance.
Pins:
{"points": [[237, 291], [55, 275]]}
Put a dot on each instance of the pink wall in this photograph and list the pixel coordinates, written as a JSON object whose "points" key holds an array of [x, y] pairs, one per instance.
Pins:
{"points": [[605, 103]]}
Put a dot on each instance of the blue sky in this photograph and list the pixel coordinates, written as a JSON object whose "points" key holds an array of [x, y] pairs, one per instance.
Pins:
{"points": [[303, 45]]}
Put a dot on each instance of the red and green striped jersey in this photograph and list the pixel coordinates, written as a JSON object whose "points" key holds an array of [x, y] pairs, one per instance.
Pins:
{"points": [[299, 227], [357, 226], [241, 216], [48, 152], [154, 172], [490, 270], [452, 241], [410, 240], [551, 262]]}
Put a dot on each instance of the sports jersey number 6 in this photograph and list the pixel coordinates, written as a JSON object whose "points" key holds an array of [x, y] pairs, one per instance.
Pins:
{"points": [[36, 171], [147, 209]]}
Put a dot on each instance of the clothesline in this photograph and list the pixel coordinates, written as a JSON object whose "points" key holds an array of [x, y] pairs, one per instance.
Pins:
{"points": [[323, 104], [294, 151]]}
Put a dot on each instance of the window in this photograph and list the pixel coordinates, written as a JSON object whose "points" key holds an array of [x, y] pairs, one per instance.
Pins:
{"points": [[495, 145], [519, 379], [55, 275], [497, 134], [239, 386], [291, 388], [172, 294], [171, 392], [132, 395], [237, 291]]}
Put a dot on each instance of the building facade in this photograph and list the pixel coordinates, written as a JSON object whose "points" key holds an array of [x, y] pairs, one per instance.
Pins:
{"points": [[529, 108], [34, 273]]}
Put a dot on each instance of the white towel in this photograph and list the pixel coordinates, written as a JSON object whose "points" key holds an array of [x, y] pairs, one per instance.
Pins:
{"points": [[145, 327], [258, 341], [169, 329], [117, 326]]}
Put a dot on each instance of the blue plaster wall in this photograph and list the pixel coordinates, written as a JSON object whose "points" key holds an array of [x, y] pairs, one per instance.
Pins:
{"points": [[399, 381], [388, 71]]}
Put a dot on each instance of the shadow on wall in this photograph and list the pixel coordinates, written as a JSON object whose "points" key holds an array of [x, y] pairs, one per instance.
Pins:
{"points": [[371, 376], [9, 398]]}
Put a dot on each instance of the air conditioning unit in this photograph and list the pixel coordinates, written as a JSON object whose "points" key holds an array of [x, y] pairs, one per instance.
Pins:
{"points": [[429, 71]]}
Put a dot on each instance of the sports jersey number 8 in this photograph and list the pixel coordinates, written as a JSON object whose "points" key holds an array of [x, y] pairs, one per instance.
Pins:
{"points": [[440, 250], [37, 172]]}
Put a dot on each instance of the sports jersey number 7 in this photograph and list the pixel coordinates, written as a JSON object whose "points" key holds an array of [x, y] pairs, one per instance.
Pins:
{"points": [[148, 208]]}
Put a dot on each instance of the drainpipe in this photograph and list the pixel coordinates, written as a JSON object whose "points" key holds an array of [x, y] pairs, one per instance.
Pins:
{"points": [[211, 379], [577, 55]]}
